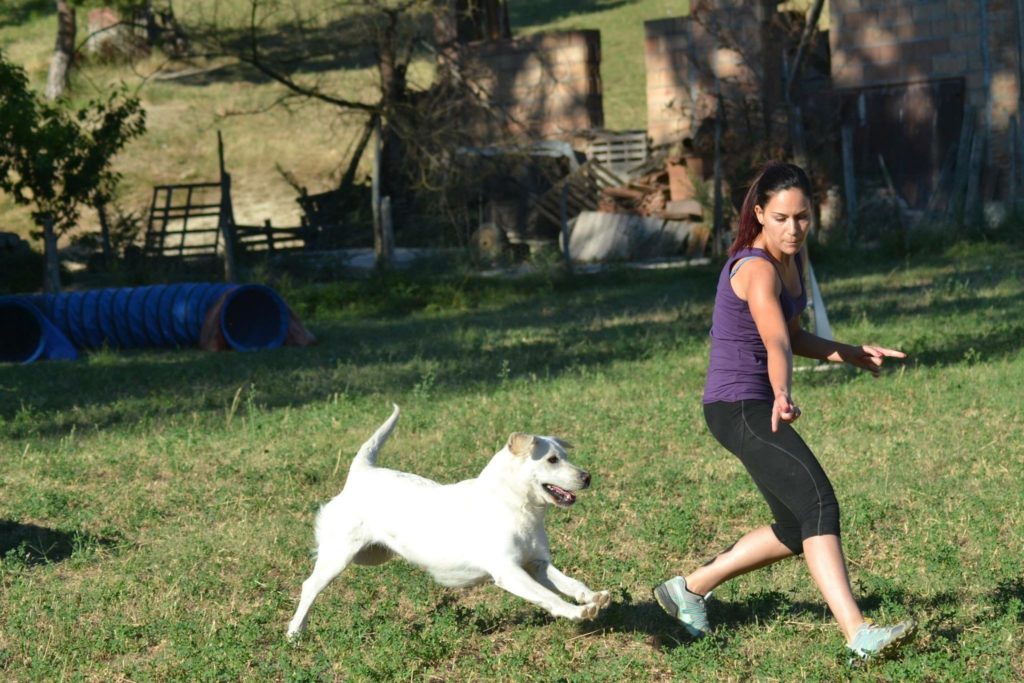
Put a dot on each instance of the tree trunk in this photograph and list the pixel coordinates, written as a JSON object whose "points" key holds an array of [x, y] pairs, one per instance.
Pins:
{"points": [[718, 224], [383, 261], [446, 37], [226, 219], [391, 181], [51, 276], [63, 51], [108, 251]]}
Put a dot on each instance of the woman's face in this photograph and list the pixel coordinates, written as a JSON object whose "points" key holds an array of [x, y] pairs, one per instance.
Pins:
{"points": [[785, 220]]}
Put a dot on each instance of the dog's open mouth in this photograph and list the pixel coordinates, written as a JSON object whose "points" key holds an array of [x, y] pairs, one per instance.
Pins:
{"points": [[562, 497]]}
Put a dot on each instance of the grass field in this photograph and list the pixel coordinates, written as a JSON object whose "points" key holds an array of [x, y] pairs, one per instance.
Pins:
{"points": [[157, 506]]}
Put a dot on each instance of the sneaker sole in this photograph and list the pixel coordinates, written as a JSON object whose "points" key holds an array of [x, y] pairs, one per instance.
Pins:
{"points": [[886, 650], [898, 642], [665, 601]]}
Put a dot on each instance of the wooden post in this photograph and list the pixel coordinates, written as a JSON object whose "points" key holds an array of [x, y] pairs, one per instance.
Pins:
{"points": [[563, 215], [381, 253], [986, 73], [849, 182], [972, 201], [268, 230], [794, 71], [1020, 57], [718, 227], [226, 219], [51, 273], [1014, 181], [385, 248], [1017, 145], [897, 210], [108, 251], [954, 209], [791, 74]]}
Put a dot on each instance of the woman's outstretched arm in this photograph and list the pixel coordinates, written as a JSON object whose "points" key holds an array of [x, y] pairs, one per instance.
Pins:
{"points": [[866, 357]]}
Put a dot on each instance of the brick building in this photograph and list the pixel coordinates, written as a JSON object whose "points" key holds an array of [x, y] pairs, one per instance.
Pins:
{"points": [[908, 71], [901, 74], [543, 86]]}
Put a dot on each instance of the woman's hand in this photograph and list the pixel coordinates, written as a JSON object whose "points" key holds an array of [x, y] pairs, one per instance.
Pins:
{"points": [[784, 410], [869, 357]]}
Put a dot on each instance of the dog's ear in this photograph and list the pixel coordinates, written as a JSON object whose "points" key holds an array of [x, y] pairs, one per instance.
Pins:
{"points": [[521, 444], [564, 445]]}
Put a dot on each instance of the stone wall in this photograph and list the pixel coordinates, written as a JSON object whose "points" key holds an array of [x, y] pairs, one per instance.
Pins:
{"points": [[878, 44], [900, 71], [721, 45], [542, 86]]}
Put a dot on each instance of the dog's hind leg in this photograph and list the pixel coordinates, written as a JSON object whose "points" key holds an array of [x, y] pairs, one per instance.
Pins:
{"points": [[548, 575], [330, 562]]}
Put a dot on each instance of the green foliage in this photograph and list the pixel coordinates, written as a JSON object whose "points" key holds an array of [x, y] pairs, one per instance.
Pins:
{"points": [[21, 270], [54, 159]]}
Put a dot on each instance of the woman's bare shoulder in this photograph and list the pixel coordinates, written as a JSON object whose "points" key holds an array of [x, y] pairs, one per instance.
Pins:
{"points": [[757, 274]]}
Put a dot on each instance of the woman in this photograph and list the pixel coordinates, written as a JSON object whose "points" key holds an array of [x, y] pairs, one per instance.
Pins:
{"points": [[748, 406]]}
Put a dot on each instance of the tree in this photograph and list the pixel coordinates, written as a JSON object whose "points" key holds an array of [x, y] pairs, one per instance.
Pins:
{"points": [[160, 27], [55, 159], [63, 51], [295, 44]]}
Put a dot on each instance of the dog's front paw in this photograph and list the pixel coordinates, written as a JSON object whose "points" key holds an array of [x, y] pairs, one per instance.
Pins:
{"points": [[602, 599], [589, 611]]}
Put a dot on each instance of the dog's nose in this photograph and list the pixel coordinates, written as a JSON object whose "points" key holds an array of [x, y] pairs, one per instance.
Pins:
{"points": [[585, 476]]}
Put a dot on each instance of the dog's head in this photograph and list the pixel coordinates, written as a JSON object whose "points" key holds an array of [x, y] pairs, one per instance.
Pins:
{"points": [[549, 476]]}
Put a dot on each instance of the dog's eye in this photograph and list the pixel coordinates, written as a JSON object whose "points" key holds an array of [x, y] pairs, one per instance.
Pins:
{"points": [[553, 459]]}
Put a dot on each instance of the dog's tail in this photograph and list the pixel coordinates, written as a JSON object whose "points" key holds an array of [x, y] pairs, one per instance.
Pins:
{"points": [[367, 455]]}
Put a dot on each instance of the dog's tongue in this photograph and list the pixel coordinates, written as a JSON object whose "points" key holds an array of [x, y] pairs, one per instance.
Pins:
{"points": [[567, 496]]}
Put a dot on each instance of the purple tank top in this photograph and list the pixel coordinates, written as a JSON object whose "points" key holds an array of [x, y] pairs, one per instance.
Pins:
{"points": [[738, 369]]}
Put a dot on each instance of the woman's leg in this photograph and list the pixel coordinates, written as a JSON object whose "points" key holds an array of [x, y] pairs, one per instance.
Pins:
{"points": [[824, 555], [756, 549], [802, 499], [807, 520]]}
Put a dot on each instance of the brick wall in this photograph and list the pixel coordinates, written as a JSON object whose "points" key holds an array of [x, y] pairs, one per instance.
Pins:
{"points": [[545, 85], [685, 56], [876, 42]]}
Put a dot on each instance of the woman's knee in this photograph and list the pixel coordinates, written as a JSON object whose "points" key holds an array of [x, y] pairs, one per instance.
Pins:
{"points": [[823, 518]]}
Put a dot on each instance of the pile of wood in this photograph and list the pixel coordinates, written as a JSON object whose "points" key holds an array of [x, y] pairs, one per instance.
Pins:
{"points": [[663, 190]]}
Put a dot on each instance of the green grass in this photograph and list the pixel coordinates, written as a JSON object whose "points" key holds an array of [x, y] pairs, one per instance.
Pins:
{"points": [[157, 506]]}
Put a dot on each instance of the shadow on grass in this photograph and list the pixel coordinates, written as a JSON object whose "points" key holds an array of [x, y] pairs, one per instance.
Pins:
{"points": [[467, 617], [542, 12], [35, 545], [769, 606], [1008, 597], [14, 12], [297, 48], [542, 331], [545, 335]]}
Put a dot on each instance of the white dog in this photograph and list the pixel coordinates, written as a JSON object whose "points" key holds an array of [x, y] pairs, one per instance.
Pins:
{"points": [[491, 527]]}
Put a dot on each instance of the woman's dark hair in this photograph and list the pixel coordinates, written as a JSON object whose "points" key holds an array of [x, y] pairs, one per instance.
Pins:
{"points": [[774, 177]]}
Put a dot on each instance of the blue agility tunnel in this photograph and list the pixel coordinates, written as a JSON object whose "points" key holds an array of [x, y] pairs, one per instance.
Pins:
{"points": [[249, 317], [26, 335]]}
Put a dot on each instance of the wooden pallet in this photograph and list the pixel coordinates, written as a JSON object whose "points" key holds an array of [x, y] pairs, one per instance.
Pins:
{"points": [[619, 152], [581, 189]]}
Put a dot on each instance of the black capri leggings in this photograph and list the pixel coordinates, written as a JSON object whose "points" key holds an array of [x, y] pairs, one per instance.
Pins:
{"points": [[780, 463]]}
